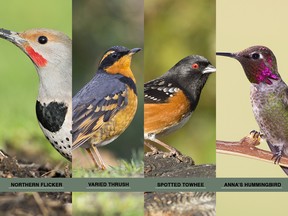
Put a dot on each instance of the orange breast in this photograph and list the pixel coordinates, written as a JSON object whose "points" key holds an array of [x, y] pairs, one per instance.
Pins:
{"points": [[158, 117]]}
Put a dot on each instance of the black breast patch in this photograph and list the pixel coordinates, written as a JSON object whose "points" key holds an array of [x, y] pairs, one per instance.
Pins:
{"points": [[128, 81], [51, 116]]}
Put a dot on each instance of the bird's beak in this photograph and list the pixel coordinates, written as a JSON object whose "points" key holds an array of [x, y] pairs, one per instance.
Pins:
{"points": [[133, 51], [13, 37], [209, 69], [231, 55]]}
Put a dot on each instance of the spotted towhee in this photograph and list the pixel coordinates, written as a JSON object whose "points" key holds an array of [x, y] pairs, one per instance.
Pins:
{"points": [[106, 105], [171, 99]]}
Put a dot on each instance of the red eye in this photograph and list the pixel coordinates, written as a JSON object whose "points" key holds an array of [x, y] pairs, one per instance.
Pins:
{"points": [[195, 66]]}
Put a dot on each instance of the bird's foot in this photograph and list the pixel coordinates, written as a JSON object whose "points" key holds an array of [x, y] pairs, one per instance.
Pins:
{"points": [[253, 139], [256, 135], [174, 153], [96, 157], [153, 149], [103, 166], [151, 153], [277, 157]]}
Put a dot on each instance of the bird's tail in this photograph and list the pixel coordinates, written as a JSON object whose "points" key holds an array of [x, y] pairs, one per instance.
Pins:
{"points": [[285, 169]]}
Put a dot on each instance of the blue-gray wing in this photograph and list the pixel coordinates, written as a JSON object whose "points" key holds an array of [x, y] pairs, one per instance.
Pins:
{"points": [[285, 97], [96, 103]]}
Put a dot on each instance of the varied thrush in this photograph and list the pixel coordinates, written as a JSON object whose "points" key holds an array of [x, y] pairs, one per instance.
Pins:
{"points": [[106, 105], [170, 99]]}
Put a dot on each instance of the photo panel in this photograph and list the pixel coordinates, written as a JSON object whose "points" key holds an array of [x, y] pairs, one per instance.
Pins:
{"points": [[36, 90], [241, 84], [179, 89], [235, 116], [108, 88]]}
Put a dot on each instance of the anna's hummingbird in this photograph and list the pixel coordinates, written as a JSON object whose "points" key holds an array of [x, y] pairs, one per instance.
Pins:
{"points": [[268, 95]]}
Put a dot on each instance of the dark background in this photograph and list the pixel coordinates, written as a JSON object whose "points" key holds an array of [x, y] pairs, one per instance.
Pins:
{"points": [[98, 25]]}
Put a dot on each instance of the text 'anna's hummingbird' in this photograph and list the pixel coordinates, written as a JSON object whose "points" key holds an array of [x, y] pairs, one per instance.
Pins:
{"points": [[268, 95]]}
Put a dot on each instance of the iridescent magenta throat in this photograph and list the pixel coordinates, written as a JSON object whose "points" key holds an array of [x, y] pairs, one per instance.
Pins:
{"points": [[265, 74]]}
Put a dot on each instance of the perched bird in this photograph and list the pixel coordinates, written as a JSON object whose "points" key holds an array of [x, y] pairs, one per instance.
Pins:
{"points": [[268, 95], [106, 105], [170, 99], [51, 53]]}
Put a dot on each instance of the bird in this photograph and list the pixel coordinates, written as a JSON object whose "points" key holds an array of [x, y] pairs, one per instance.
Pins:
{"points": [[170, 99], [51, 53], [106, 105], [268, 96]]}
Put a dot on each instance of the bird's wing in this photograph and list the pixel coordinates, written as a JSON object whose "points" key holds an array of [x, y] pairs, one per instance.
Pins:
{"points": [[158, 91], [96, 103], [285, 97], [271, 146]]}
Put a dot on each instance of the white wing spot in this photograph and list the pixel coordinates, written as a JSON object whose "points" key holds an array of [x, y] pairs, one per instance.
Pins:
{"points": [[165, 89]]}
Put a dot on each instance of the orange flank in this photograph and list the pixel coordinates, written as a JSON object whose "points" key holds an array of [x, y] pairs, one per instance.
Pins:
{"points": [[161, 116], [118, 123], [104, 131]]}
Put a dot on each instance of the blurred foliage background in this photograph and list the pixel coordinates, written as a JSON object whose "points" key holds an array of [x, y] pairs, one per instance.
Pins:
{"points": [[108, 204], [19, 80], [97, 26], [174, 30]]}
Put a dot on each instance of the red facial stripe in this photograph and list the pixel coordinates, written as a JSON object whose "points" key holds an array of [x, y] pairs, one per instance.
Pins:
{"points": [[36, 57]]}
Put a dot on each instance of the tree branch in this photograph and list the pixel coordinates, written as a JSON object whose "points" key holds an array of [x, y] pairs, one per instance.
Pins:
{"points": [[246, 147]]}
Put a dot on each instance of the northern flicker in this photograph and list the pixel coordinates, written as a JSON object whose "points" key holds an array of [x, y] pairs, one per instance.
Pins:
{"points": [[51, 53]]}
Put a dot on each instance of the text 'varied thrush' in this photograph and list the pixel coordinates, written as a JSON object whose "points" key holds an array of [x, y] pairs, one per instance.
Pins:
{"points": [[106, 105], [171, 99], [51, 53], [268, 96]]}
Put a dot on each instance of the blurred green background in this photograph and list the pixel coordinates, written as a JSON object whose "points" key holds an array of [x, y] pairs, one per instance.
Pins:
{"points": [[108, 204], [174, 30], [97, 26], [18, 78]]}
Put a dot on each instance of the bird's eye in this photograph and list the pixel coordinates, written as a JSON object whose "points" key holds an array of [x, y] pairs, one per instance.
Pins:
{"points": [[114, 55], [195, 66], [255, 56], [42, 39]]}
